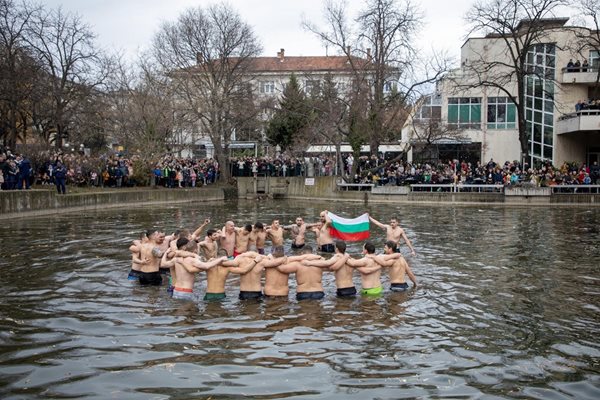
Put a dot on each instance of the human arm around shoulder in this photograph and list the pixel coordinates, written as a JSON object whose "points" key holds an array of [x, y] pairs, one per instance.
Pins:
{"points": [[204, 265], [247, 267], [166, 262], [369, 269], [357, 263]]}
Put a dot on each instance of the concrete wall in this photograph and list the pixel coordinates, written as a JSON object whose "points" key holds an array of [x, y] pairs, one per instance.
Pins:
{"points": [[41, 202], [325, 189]]}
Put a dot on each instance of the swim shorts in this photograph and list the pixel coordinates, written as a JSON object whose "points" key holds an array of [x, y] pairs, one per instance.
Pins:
{"points": [[399, 287], [247, 295], [261, 251], [165, 271], [376, 291], [346, 292], [150, 278], [235, 254], [183, 294], [297, 246], [214, 296], [133, 275], [327, 248], [309, 296]]}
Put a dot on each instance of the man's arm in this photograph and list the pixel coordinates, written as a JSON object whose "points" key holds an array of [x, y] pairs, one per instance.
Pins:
{"points": [[386, 260], [369, 270], [245, 269], [198, 231], [354, 263], [270, 262], [167, 262], [410, 274], [379, 224], [303, 257], [185, 253], [412, 249], [204, 265]]}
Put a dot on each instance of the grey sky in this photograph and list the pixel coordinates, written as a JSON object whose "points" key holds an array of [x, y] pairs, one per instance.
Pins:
{"points": [[129, 25]]}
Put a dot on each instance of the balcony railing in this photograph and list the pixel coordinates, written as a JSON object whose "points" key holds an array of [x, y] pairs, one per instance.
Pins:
{"points": [[579, 76], [580, 121]]}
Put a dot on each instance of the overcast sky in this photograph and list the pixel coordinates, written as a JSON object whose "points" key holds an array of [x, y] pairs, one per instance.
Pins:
{"points": [[129, 25]]}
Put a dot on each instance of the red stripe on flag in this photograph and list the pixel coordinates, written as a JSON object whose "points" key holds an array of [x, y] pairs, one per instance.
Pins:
{"points": [[350, 237]]}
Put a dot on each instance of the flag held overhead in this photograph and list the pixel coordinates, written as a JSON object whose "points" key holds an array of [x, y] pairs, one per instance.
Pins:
{"points": [[350, 230]]}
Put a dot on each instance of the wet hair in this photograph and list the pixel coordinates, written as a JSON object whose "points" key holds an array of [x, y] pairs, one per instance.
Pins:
{"points": [[182, 242], [369, 247], [143, 235], [150, 232], [341, 246], [222, 252], [278, 251], [391, 244], [306, 250], [259, 226], [248, 228], [211, 232]]}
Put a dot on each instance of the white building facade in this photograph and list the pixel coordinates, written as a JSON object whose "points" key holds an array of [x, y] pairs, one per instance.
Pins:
{"points": [[487, 119]]}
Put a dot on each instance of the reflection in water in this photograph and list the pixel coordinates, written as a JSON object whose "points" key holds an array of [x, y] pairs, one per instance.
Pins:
{"points": [[507, 306]]}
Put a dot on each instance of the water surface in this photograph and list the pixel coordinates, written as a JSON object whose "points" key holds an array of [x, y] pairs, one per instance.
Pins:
{"points": [[507, 307]]}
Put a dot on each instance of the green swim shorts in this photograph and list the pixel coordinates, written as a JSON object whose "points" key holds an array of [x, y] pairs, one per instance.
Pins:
{"points": [[376, 291], [214, 296]]}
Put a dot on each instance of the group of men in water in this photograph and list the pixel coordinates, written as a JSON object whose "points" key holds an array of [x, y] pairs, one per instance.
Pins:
{"points": [[241, 250]]}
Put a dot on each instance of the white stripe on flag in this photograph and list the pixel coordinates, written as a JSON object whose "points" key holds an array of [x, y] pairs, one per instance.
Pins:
{"points": [[346, 221]]}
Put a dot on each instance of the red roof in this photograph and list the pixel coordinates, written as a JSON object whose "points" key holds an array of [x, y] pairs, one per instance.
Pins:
{"points": [[303, 64]]}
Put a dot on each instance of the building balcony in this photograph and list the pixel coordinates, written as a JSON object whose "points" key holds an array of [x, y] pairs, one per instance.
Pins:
{"points": [[589, 77], [581, 121]]}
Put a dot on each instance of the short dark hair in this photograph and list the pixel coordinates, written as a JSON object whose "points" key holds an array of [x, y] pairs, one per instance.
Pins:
{"points": [[248, 228], [150, 232], [278, 251], [306, 250], [369, 247], [391, 244], [259, 226], [182, 242], [341, 246], [211, 232]]}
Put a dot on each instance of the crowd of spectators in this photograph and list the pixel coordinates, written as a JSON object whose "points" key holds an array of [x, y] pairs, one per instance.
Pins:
{"points": [[491, 173], [66, 169]]}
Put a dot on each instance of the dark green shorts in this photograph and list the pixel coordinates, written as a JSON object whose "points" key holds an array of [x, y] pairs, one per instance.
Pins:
{"points": [[214, 296]]}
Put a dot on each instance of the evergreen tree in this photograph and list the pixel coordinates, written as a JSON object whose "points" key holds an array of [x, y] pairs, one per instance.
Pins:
{"points": [[291, 117]]}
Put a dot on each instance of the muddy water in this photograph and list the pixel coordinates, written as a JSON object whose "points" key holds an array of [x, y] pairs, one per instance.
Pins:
{"points": [[508, 306]]}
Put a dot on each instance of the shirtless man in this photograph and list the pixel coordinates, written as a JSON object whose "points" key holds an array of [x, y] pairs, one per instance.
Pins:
{"points": [[394, 233], [324, 240], [151, 254], [343, 272], [258, 237], [136, 261], [208, 247], [276, 282], [186, 268], [398, 270], [275, 233], [215, 288], [242, 238], [198, 232], [370, 270], [298, 231], [227, 239], [250, 282], [308, 279]]}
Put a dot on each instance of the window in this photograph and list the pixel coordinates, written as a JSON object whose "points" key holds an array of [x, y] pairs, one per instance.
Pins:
{"points": [[267, 87], [501, 113], [464, 112], [312, 87], [594, 60], [388, 87], [430, 109]]}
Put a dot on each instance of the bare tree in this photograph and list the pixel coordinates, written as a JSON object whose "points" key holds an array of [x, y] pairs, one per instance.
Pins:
{"points": [[65, 48], [381, 53], [18, 71], [206, 52], [518, 26], [588, 37]]}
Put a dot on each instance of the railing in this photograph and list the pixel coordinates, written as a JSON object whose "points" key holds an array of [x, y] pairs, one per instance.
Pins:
{"points": [[581, 113], [457, 188], [361, 187], [579, 69], [579, 189]]}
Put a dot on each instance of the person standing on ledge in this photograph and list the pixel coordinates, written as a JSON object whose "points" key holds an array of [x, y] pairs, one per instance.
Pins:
{"points": [[394, 233]]}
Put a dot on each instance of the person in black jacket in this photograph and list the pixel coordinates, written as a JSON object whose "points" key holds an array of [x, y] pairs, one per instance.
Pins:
{"points": [[60, 176]]}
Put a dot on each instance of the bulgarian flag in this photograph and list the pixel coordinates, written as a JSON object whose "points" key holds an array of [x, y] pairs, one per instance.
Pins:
{"points": [[351, 230]]}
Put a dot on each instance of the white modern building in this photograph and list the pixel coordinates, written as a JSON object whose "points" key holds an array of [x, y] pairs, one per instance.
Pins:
{"points": [[487, 119]]}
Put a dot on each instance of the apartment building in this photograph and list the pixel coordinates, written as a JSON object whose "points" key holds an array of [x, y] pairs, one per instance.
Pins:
{"points": [[485, 120]]}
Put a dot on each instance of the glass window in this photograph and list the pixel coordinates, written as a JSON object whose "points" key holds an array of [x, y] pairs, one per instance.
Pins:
{"points": [[594, 59], [267, 87], [465, 112]]}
